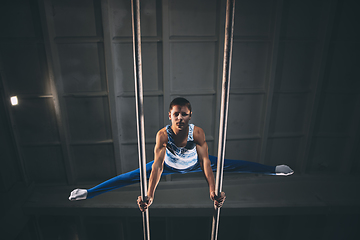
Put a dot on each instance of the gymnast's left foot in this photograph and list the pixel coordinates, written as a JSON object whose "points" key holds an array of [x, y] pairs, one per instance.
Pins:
{"points": [[78, 194], [283, 170]]}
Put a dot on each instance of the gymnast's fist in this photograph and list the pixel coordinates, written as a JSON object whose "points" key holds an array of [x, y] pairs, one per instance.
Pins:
{"points": [[218, 200], [144, 205]]}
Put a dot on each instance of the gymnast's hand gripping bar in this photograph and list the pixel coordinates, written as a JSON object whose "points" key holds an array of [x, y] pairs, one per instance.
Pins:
{"points": [[228, 44], [139, 99]]}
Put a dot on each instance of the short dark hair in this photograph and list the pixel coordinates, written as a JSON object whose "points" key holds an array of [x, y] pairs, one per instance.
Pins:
{"points": [[181, 102]]}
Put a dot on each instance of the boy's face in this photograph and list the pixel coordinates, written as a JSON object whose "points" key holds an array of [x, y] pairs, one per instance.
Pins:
{"points": [[180, 117]]}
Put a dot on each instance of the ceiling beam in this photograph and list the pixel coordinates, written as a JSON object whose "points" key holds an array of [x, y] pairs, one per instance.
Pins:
{"points": [[107, 26], [271, 82], [45, 9], [317, 79]]}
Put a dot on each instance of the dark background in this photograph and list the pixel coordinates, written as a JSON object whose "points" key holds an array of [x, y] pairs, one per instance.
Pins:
{"points": [[295, 100]]}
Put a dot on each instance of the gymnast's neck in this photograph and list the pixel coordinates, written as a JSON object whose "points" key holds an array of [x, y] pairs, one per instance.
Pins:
{"points": [[180, 134]]}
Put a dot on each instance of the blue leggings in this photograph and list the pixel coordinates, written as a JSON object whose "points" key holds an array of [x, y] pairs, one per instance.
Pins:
{"points": [[231, 166]]}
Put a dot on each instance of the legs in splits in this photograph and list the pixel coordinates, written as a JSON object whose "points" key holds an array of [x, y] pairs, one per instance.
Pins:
{"points": [[231, 166]]}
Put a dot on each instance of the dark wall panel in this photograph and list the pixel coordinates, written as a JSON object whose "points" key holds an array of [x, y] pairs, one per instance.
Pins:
{"points": [[295, 65], [253, 18], [81, 68], [336, 113], [249, 65], [301, 18], [341, 72], [74, 18], [203, 113], [45, 165], [242, 149], [306, 227], [152, 115], [21, 15], [130, 156], [326, 155], [245, 114], [121, 12], [101, 228], [288, 113], [124, 69], [88, 118], [23, 68], [93, 163], [53, 228], [9, 173], [343, 226], [283, 151], [192, 67], [346, 20], [36, 121], [192, 18]]}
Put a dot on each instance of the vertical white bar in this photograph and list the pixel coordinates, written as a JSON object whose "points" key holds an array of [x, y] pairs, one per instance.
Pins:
{"points": [[228, 44], [139, 99]]}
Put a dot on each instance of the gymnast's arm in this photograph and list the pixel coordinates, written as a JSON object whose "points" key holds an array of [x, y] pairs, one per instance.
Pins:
{"points": [[203, 156], [157, 169]]}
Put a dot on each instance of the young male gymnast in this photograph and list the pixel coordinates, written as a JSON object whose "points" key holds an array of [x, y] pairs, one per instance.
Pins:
{"points": [[180, 148]]}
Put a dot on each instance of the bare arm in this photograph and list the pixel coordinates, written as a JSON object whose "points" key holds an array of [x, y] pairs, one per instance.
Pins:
{"points": [[203, 155], [158, 165], [156, 171]]}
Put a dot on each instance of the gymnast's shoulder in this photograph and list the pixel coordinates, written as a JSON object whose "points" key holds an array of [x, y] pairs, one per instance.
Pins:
{"points": [[161, 136], [199, 135]]}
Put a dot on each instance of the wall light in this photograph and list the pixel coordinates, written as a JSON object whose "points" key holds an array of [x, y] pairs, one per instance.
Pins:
{"points": [[14, 100]]}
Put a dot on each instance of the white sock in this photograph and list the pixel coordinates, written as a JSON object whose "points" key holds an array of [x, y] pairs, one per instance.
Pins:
{"points": [[283, 170], [78, 194]]}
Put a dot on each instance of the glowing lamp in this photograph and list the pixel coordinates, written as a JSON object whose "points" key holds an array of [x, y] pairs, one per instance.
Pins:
{"points": [[14, 100]]}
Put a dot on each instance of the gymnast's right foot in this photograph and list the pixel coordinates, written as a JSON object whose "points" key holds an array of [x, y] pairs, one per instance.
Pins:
{"points": [[78, 194]]}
